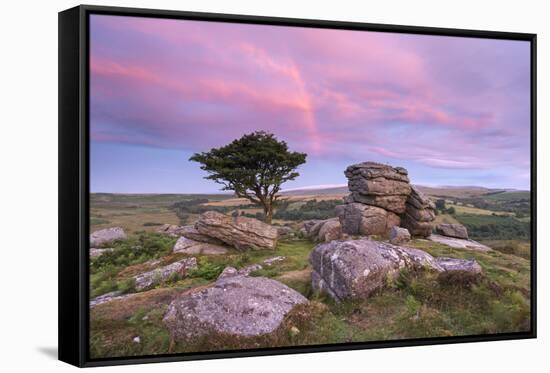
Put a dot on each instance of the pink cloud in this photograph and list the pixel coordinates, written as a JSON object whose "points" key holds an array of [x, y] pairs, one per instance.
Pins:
{"points": [[337, 93]]}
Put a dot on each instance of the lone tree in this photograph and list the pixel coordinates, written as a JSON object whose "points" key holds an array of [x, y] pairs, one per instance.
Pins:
{"points": [[254, 167]]}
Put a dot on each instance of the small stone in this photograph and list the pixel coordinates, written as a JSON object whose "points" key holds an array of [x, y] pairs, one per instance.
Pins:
{"points": [[294, 331], [399, 235], [136, 339], [228, 272], [238, 305], [245, 271], [269, 261]]}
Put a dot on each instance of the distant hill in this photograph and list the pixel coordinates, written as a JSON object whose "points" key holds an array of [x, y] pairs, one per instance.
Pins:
{"points": [[439, 191], [317, 191]]}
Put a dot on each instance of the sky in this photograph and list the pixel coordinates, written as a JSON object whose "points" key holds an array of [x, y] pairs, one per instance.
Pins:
{"points": [[452, 110]]}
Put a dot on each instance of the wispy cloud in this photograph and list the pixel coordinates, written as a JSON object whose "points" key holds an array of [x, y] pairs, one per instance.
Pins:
{"points": [[439, 102]]}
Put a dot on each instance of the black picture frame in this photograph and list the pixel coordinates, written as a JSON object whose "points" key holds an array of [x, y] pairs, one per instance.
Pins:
{"points": [[74, 182]]}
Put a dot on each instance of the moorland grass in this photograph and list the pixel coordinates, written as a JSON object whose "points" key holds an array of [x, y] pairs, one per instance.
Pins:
{"points": [[415, 305]]}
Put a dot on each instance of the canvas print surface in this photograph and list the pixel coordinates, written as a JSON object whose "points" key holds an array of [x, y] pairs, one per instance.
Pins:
{"points": [[257, 186]]}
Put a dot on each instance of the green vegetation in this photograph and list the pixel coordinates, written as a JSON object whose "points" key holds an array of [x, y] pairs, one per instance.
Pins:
{"points": [[187, 209], [151, 224], [498, 201], [495, 227], [413, 306], [513, 247], [104, 269], [311, 209]]}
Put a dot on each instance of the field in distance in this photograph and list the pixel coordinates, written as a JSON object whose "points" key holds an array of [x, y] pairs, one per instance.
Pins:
{"points": [[489, 214]]}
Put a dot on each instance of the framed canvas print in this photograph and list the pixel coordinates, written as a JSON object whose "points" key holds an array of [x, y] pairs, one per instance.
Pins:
{"points": [[237, 186]]}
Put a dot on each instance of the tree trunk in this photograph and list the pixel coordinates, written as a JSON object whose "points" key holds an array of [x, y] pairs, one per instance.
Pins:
{"points": [[268, 213]]}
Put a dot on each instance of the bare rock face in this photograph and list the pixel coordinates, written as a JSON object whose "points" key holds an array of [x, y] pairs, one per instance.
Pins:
{"points": [[458, 265], [240, 232], [107, 235], [308, 224], [399, 235], [459, 243], [331, 230], [458, 270], [378, 185], [323, 230], [234, 305], [419, 214], [170, 230], [355, 269], [187, 231], [452, 230], [187, 246], [104, 298], [360, 219], [149, 279], [284, 231]]}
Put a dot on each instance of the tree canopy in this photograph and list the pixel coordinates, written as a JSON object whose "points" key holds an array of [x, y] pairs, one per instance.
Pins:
{"points": [[254, 167]]}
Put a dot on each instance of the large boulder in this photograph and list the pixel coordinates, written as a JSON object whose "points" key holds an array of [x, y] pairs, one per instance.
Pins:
{"points": [[419, 214], [235, 305], [399, 235], [354, 269], [186, 246], [378, 185], [322, 230], [107, 235], [360, 219], [187, 231], [240, 232], [149, 279], [331, 230], [452, 230]]}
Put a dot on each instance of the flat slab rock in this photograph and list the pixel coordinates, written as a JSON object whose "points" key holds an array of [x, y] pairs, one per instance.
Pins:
{"points": [[107, 235], [459, 243], [149, 279], [356, 268], [234, 305], [241, 232], [188, 231], [108, 297], [187, 246]]}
